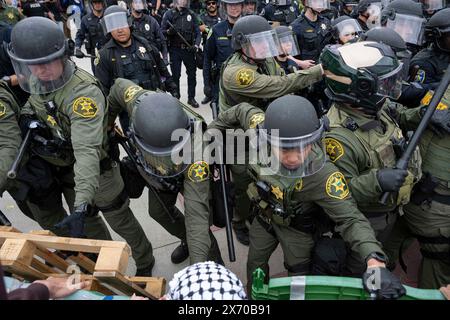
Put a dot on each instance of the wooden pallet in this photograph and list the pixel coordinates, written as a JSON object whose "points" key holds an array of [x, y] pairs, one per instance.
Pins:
{"points": [[41, 254]]}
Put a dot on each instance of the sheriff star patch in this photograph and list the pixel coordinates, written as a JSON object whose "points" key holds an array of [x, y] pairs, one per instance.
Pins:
{"points": [[256, 119], [245, 77], [85, 107], [10, 16], [336, 187], [334, 149], [2, 110], [130, 92], [198, 171], [277, 192]]}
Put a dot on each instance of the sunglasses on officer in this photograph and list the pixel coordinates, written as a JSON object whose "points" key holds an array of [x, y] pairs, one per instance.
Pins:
{"points": [[211, 3]]}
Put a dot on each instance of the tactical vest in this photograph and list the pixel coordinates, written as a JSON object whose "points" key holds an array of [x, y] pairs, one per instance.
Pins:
{"points": [[143, 28], [96, 37], [436, 158], [58, 123], [314, 38], [184, 23], [380, 150], [285, 15], [439, 61]]}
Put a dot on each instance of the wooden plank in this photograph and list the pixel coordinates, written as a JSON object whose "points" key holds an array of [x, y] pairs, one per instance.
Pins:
{"points": [[42, 267], [83, 262], [154, 285], [94, 285], [52, 258], [43, 233], [17, 250], [9, 229], [67, 244], [24, 271], [119, 282], [112, 259]]}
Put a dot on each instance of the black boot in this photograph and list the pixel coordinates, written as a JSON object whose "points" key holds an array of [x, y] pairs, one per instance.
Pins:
{"points": [[206, 100], [180, 253], [193, 103], [242, 235], [145, 272]]}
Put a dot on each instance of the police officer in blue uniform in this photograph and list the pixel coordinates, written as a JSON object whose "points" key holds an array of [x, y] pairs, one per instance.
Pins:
{"points": [[218, 47], [180, 25], [91, 30], [147, 27], [312, 29], [282, 11]]}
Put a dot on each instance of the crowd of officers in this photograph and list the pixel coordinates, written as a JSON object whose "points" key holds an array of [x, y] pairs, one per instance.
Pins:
{"points": [[345, 83]]}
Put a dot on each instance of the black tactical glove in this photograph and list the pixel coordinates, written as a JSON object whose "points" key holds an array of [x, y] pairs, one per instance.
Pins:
{"points": [[382, 284], [391, 179], [193, 49], [171, 87], [207, 90], [78, 53], [171, 31], [75, 221], [27, 122], [440, 121]]}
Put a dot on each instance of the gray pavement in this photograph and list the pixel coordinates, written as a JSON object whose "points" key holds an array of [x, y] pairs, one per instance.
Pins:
{"points": [[163, 243]]}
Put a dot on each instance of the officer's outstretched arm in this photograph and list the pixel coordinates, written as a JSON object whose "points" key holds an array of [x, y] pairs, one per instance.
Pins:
{"points": [[242, 116]]}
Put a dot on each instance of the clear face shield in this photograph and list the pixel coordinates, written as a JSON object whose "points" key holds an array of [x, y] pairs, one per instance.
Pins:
{"points": [[160, 163], [433, 5], [181, 3], [295, 157], [410, 28], [139, 6], [42, 75], [261, 45], [318, 5], [443, 42], [115, 21], [288, 44], [373, 14], [348, 30], [390, 85], [282, 2]]}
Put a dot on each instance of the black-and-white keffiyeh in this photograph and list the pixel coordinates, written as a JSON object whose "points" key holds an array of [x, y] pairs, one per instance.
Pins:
{"points": [[206, 281]]}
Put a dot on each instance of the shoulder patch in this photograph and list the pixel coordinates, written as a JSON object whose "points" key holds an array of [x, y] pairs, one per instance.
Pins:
{"points": [[245, 77], [420, 76], [336, 187], [2, 109], [256, 119], [334, 149], [198, 171], [85, 107], [130, 92]]}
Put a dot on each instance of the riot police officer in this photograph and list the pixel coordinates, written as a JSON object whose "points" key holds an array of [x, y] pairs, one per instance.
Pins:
{"points": [[345, 29], [407, 19], [147, 27], [430, 63], [155, 116], [180, 25], [312, 30], [218, 47], [91, 30], [288, 49], [281, 11], [250, 7], [365, 140], [72, 107], [288, 185], [129, 56], [368, 14]]}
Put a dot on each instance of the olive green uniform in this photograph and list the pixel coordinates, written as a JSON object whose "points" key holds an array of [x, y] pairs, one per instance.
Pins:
{"points": [[242, 81], [10, 15], [82, 163], [194, 225], [359, 146], [430, 220], [298, 197]]}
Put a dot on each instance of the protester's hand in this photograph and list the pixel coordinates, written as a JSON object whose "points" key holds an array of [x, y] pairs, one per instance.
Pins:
{"points": [[61, 287]]}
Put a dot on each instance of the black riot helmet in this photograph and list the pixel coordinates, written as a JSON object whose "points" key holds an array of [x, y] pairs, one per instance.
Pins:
{"points": [[294, 133], [406, 18], [115, 17], [345, 29], [395, 41], [103, 2], [154, 120], [254, 36], [437, 30], [362, 74], [39, 53]]}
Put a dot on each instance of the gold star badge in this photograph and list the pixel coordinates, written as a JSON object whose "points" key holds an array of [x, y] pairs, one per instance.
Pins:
{"points": [[277, 192], [10, 16], [245, 77], [336, 187], [198, 171], [334, 149], [142, 50], [85, 107], [2, 110], [51, 120]]}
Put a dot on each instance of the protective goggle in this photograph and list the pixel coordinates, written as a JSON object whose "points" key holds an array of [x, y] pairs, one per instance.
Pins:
{"points": [[261, 45]]}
